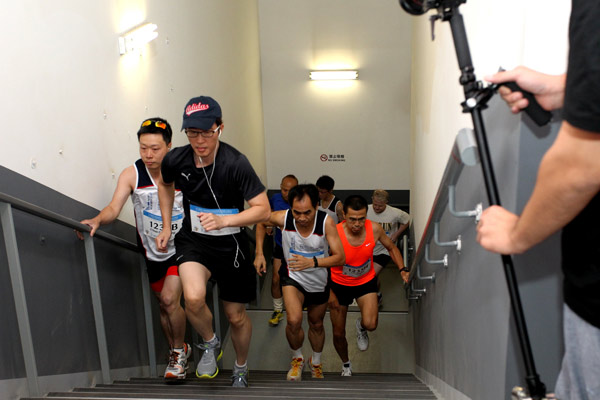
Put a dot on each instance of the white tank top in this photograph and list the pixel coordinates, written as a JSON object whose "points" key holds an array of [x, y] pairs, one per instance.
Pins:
{"points": [[330, 209], [314, 245], [148, 219]]}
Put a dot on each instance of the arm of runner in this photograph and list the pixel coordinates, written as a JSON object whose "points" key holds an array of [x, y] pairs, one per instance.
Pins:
{"points": [[166, 197], [336, 252], [339, 211], [549, 90], [276, 219], [259, 211], [395, 254], [259, 257], [125, 186], [568, 178], [397, 234]]}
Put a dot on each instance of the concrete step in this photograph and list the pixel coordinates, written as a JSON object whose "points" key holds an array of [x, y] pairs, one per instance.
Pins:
{"points": [[263, 385]]}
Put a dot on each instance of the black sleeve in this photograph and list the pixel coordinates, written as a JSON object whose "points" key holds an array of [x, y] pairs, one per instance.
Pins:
{"points": [[166, 168], [582, 93], [249, 183]]}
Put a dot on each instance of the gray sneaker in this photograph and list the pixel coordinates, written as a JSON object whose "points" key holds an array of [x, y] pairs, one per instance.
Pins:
{"points": [[362, 337], [211, 353], [239, 377]]}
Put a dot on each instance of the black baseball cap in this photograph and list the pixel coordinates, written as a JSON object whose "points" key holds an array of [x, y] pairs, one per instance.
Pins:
{"points": [[201, 113]]}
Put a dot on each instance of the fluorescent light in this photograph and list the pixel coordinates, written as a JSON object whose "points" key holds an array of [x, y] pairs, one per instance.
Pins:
{"points": [[333, 75], [136, 38]]}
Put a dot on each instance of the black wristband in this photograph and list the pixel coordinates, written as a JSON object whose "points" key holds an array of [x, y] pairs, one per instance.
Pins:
{"points": [[316, 262], [405, 269]]}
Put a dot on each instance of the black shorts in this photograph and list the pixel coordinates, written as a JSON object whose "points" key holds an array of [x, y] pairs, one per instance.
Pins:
{"points": [[277, 251], [346, 294], [382, 259], [236, 284], [158, 269], [310, 298]]}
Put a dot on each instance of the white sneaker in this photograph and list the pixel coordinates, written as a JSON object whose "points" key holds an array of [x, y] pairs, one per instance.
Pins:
{"points": [[178, 363], [347, 371], [295, 372], [362, 337]]}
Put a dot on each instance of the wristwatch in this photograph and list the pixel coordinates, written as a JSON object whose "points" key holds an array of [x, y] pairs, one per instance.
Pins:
{"points": [[316, 262], [405, 269]]}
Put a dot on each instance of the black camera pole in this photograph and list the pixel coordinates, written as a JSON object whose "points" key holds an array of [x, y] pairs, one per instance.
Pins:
{"points": [[476, 99]]}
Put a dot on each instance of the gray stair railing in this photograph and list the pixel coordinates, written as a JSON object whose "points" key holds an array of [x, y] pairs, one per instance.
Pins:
{"points": [[7, 204]]}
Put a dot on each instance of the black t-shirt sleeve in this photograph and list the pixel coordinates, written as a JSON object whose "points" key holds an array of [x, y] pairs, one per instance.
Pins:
{"points": [[245, 176], [582, 94], [166, 168]]}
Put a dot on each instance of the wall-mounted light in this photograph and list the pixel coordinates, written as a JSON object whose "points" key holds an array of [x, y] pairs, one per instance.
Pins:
{"points": [[136, 38], [333, 75]]}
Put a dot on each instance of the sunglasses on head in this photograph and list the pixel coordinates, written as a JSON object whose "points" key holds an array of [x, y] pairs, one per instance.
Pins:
{"points": [[158, 124]]}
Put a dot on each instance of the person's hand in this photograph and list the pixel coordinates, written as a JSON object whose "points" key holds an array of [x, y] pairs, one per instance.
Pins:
{"points": [[211, 222], [548, 90], [495, 230], [162, 240], [298, 263], [405, 275], [260, 264], [92, 223]]}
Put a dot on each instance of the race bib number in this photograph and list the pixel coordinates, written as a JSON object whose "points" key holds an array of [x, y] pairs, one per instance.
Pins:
{"points": [[153, 223], [355, 272], [198, 228]]}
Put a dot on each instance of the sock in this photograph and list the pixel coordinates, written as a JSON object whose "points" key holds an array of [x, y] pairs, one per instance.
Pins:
{"points": [[297, 353], [316, 358], [359, 325], [213, 340], [347, 364], [179, 349], [278, 304], [237, 367]]}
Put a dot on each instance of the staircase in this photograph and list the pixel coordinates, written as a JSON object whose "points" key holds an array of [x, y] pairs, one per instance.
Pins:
{"points": [[263, 385]]}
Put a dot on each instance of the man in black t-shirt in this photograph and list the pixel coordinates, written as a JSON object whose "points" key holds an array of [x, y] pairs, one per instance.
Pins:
{"points": [[565, 196], [215, 179]]}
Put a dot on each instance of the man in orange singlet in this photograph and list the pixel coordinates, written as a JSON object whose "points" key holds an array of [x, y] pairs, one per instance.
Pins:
{"points": [[356, 278]]}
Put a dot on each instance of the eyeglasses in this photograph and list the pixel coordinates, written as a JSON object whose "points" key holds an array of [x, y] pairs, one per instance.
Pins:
{"points": [[204, 134], [158, 124]]}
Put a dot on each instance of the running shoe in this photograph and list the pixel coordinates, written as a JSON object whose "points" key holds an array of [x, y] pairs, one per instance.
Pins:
{"points": [[347, 370], [178, 363], [211, 353], [295, 373], [275, 318], [239, 377], [316, 370], [362, 337]]}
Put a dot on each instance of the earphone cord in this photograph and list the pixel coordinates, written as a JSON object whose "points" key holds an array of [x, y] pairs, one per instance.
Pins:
{"points": [[236, 263]]}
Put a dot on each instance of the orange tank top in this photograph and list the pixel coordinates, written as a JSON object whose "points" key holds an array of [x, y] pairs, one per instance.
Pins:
{"points": [[358, 268]]}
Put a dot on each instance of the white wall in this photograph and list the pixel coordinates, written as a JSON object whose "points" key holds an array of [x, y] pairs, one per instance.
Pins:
{"points": [[507, 34], [367, 121], [70, 102]]}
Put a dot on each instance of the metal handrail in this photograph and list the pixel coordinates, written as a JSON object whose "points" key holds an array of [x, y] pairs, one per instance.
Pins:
{"points": [[463, 153], [7, 203], [62, 220]]}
